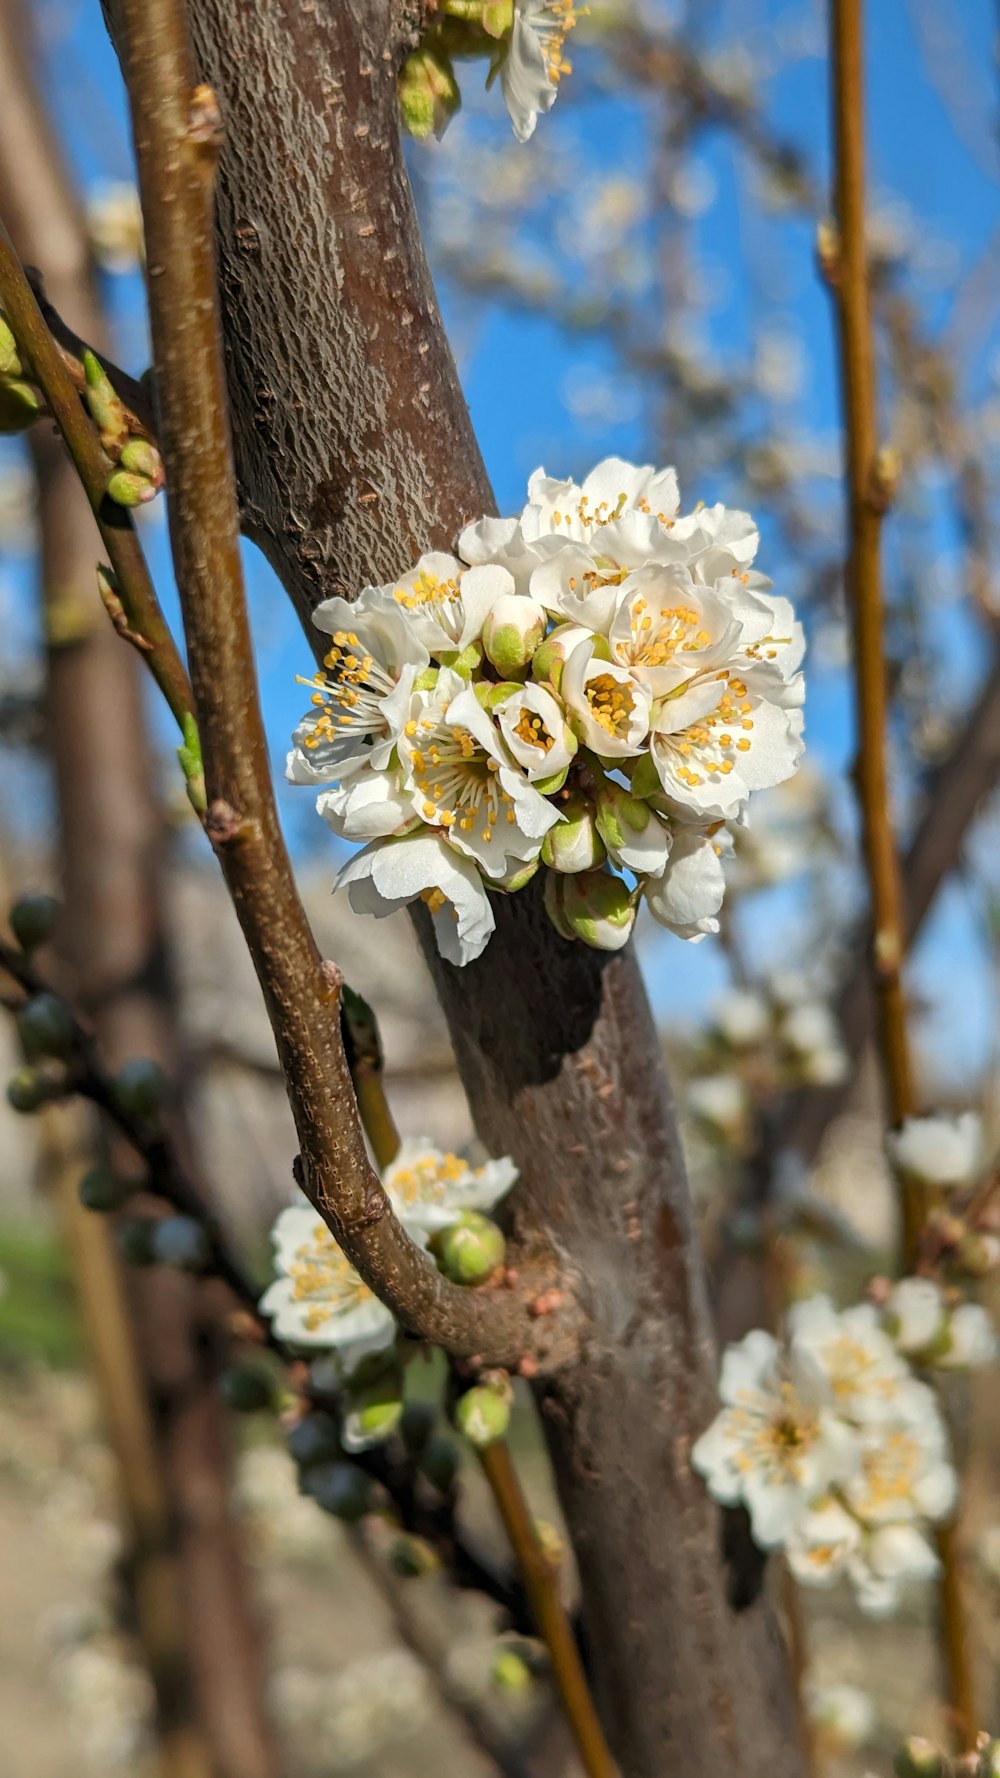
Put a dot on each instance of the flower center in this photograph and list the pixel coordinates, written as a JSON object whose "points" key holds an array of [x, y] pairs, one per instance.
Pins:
{"points": [[427, 1179], [611, 702], [349, 694], [655, 640], [552, 25], [890, 1470], [456, 778], [713, 740], [443, 596], [320, 1271], [530, 729]]}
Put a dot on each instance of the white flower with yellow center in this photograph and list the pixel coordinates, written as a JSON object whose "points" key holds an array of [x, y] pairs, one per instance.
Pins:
{"points": [[461, 779], [446, 604], [905, 1472], [914, 1314], [318, 1299], [423, 867], [888, 1559], [584, 513], [715, 742], [777, 1444], [687, 896], [535, 61], [535, 729], [868, 1377], [821, 1547], [608, 710], [360, 697], [971, 1340], [941, 1151], [430, 1188]]}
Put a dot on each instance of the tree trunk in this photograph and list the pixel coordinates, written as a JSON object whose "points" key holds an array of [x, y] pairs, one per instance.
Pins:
{"points": [[203, 1646], [355, 451]]}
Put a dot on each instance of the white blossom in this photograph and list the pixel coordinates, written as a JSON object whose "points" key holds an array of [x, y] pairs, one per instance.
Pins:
{"points": [[607, 709], [423, 867], [914, 1313], [777, 1444], [820, 1548], [887, 1560], [905, 1472], [742, 1017], [867, 1376], [318, 1299], [447, 604], [536, 731], [688, 894], [971, 1340], [843, 1715], [535, 61], [942, 1151], [721, 1101], [430, 1188], [360, 698], [114, 225]]}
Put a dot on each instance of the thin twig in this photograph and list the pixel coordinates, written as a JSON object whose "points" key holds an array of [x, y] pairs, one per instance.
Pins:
{"points": [[133, 584], [867, 497], [177, 133], [542, 1582]]}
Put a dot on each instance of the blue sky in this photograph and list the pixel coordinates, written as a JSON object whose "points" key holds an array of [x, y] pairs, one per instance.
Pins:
{"points": [[516, 369]]}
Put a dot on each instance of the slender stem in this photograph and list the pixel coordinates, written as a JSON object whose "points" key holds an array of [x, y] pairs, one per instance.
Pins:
{"points": [[542, 1584], [177, 133], [134, 587], [867, 499]]}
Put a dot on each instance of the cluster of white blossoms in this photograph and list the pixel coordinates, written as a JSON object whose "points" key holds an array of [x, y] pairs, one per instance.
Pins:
{"points": [[318, 1300], [836, 1449], [593, 688]]}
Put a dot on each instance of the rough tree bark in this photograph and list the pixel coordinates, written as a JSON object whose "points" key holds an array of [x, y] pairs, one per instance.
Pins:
{"points": [[208, 1671], [355, 452]]}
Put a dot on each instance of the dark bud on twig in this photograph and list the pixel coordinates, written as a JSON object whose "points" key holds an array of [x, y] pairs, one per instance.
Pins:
{"points": [[412, 1557], [313, 1440], [100, 1189], [46, 1026], [339, 1488], [33, 919], [29, 1088], [140, 1087]]}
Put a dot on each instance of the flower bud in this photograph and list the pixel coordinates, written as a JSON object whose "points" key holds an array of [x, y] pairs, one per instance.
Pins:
{"points": [[140, 1087], [105, 406], [46, 1026], [20, 405], [135, 1240], [313, 1439], [27, 1089], [550, 658], [516, 878], [100, 1189], [339, 1488], [513, 630], [428, 92], [413, 1557], [594, 906], [636, 839], [10, 363], [574, 843], [372, 1414], [181, 1242], [918, 1758], [33, 919], [440, 1462], [127, 489], [510, 1672], [468, 1251], [482, 1414], [977, 1253], [247, 1388], [142, 458]]}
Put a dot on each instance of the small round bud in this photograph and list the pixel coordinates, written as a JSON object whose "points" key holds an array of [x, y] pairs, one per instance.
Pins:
{"points": [[140, 1087], [339, 1488], [247, 1388], [126, 489], [440, 1462], [428, 93], [516, 878], [413, 1557], [100, 1189], [135, 1240], [313, 1440], [574, 843], [469, 1250], [595, 906], [977, 1253], [417, 1425], [20, 405], [372, 1414], [10, 363], [181, 1242], [510, 1672], [46, 1026], [918, 1758], [141, 458], [33, 919], [482, 1415], [27, 1089], [513, 630]]}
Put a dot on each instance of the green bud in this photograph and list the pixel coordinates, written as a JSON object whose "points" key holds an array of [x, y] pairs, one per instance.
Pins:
{"points": [[574, 843], [514, 628], [181, 1242], [428, 92], [595, 906], [339, 1488], [989, 1761], [491, 696], [313, 1439], [372, 1414], [549, 786], [510, 1672], [100, 1189], [977, 1254], [516, 878], [191, 763], [131, 490], [440, 1462], [417, 1425], [247, 1388], [918, 1758], [427, 680], [550, 657], [33, 919], [106, 408], [413, 1557], [135, 1240], [482, 1415], [140, 1087], [10, 363], [142, 458], [20, 405], [46, 1026], [28, 1088], [469, 1250], [645, 779]]}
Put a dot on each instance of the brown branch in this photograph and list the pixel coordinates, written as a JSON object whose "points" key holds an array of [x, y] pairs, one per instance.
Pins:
{"points": [[134, 586], [867, 496], [177, 133]]}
